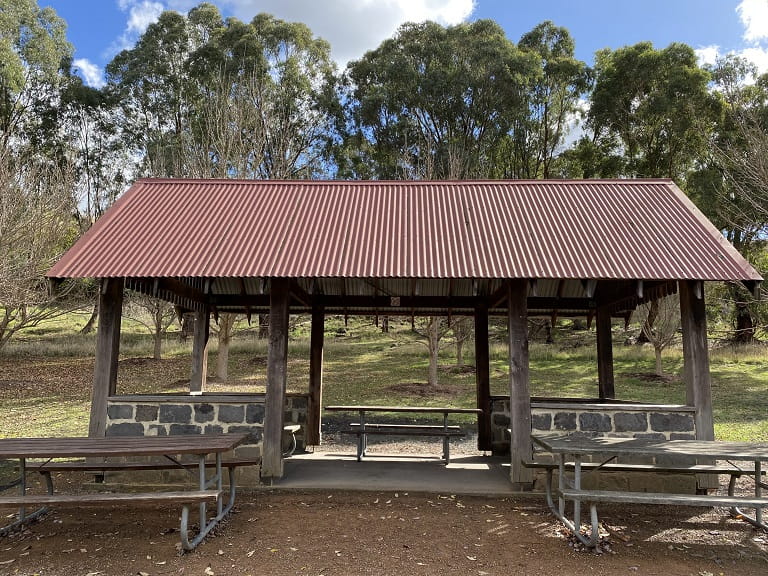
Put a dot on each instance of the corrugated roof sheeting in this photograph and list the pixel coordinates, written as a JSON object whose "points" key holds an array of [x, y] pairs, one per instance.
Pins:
{"points": [[605, 229]]}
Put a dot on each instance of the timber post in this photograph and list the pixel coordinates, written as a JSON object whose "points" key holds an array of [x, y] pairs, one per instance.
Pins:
{"points": [[277, 376], [519, 389], [107, 352], [483, 379], [698, 383], [200, 350], [312, 437], [605, 376]]}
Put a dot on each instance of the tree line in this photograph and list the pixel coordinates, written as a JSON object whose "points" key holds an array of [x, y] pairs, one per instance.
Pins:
{"points": [[199, 95]]}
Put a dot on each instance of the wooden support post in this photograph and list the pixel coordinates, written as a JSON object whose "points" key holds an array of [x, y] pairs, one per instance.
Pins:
{"points": [[698, 387], [107, 352], [604, 354], [312, 436], [519, 390], [483, 379], [696, 359], [277, 376], [200, 351]]}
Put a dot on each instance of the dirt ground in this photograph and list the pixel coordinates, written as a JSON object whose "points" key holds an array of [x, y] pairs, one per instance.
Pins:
{"points": [[384, 533]]}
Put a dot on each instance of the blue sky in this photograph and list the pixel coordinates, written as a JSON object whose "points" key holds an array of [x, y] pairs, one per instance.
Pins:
{"points": [[100, 28]]}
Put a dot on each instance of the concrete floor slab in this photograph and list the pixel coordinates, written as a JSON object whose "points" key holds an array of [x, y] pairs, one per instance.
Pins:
{"points": [[476, 475]]}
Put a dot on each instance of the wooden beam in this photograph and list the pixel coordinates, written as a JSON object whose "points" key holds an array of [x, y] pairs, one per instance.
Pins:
{"points": [[200, 337], [408, 304], [300, 294], [605, 375], [315, 402], [277, 377], [519, 390], [483, 379], [499, 296], [107, 352]]}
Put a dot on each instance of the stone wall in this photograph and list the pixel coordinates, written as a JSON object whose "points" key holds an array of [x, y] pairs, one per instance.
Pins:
{"points": [[174, 414], [596, 418]]}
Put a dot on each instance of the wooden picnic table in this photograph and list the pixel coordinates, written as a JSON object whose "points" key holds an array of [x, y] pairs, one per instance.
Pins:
{"points": [[45, 450], [363, 428], [571, 450]]}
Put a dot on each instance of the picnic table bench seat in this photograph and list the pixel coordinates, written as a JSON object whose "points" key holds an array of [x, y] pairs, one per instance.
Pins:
{"points": [[595, 497], [423, 430], [363, 429], [180, 497], [93, 465]]}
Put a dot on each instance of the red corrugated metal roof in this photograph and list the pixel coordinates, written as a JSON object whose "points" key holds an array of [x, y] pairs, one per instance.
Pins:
{"points": [[605, 229]]}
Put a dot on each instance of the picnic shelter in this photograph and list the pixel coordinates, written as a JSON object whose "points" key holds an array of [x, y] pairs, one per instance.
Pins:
{"points": [[519, 249]]}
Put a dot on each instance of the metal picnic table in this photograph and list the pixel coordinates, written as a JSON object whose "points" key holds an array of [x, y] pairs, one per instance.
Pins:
{"points": [[572, 449], [45, 450]]}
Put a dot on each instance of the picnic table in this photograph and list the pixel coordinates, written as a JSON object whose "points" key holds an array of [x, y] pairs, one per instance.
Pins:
{"points": [[47, 451], [572, 450], [363, 428]]}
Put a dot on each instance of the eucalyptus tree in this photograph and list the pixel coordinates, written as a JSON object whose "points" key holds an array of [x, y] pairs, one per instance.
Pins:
{"points": [[150, 85], [553, 98], [36, 184], [654, 106], [435, 102], [262, 113], [206, 97], [731, 182]]}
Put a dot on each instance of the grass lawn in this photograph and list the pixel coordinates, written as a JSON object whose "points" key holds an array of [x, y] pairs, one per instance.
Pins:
{"points": [[46, 377]]}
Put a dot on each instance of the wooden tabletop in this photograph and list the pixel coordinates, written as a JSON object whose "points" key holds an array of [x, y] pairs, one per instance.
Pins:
{"points": [[118, 446], [562, 444], [425, 409]]}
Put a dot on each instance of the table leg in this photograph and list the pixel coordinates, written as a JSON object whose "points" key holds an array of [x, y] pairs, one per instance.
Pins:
{"points": [[561, 484], [202, 486], [577, 486], [220, 502], [362, 440], [446, 440], [22, 487], [758, 491]]}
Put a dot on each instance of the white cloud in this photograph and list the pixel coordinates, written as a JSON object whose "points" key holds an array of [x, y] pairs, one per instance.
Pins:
{"points": [[759, 56], [91, 73], [352, 27], [754, 16], [141, 13], [708, 54]]}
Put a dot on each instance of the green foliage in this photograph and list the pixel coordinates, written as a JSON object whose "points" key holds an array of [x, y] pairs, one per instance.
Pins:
{"points": [[435, 102], [204, 97], [553, 103], [656, 104]]}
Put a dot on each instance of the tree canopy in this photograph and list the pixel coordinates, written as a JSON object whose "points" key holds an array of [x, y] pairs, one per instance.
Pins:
{"points": [[199, 95]]}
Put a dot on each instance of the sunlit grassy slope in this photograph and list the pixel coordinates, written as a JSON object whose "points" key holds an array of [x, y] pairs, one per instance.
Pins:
{"points": [[46, 376]]}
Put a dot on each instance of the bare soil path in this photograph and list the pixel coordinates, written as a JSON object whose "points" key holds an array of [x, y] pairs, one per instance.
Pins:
{"points": [[346, 533]]}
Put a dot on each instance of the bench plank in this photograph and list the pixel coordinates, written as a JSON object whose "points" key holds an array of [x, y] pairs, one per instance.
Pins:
{"points": [[404, 432], [84, 465], [613, 467], [106, 497], [618, 497], [405, 426]]}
